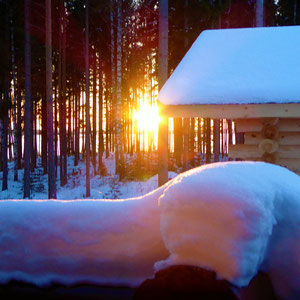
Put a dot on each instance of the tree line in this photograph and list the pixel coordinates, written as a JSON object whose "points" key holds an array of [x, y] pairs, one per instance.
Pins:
{"points": [[73, 73]]}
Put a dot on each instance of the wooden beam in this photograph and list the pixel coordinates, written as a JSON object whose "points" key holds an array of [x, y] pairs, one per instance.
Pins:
{"points": [[284, 138], [231, 111], [163, 151], [241, 151], [256, 125], [290, 163], [186, 127], [251, 151]]}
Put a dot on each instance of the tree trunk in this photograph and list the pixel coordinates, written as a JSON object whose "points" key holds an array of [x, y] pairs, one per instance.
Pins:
{"points": [[77, 105], [162, 78], [44, 133], [51, 165], [87, 99], [27, 125], [69, 134], [5, 103], [13, 65], [198, 135], [192, 143], [259, 13], [295, 12], [100, 145], [208, 140], [186, 25], [94, 135], [33, 135], [10, 132], [62, 96], [107, 126], [118, 106], [1, 131], [19, 120], [55, 129], [113, 75], [229, 124], [5, 133], [216, 140]]}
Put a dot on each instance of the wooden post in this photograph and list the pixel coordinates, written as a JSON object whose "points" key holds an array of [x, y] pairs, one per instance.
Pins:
{"points": [[186, 126], [178, 140], [163, 151], [162, 78]]}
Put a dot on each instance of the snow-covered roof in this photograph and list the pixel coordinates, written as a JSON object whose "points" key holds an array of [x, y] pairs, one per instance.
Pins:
{"points": [[238, 66]]}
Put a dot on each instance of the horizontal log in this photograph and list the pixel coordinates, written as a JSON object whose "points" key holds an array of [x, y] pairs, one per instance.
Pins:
{"points": [[284, 138], [243, 151], [231, 111], [291, 151], [292, 164], [256, 125]]}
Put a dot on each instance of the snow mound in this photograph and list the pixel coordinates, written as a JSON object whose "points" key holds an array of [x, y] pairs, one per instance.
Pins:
{"points": [[111, 242], [235, 218]]}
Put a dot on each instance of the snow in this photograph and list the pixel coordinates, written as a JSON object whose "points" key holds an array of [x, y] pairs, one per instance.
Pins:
{"points": [[111, 242], [102, 187], [238, 66], [234, 218]]}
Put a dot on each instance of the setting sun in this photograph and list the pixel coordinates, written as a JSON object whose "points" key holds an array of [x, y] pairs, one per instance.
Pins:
{"points": [[147, 117]]}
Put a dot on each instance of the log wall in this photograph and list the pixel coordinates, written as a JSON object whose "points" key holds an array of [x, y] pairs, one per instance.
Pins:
{"points": [[273, 140]]}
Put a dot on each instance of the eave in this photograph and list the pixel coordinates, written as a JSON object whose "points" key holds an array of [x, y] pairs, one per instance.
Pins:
{"points": [[231, 111]]}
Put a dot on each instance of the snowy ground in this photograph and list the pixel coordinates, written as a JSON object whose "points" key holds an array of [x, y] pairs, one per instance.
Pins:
{"points": [[102, 187]]}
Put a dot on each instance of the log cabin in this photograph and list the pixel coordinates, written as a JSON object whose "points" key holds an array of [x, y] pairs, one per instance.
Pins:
{"points": [[248, 75]]}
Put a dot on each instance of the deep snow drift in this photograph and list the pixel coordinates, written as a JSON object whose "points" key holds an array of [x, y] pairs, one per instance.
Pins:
{"points": [[234, 218]]}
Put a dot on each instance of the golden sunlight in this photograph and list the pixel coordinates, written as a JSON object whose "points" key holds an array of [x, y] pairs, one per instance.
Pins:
{"points": [[147, 117]]}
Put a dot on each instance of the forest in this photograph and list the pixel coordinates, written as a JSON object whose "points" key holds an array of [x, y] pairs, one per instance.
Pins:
{"points": [[79, 79]]}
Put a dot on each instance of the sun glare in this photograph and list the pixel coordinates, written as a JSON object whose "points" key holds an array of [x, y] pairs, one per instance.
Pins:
{"points": [[147, 117]]}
